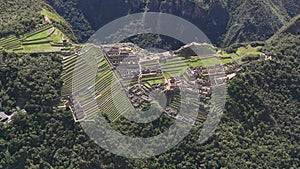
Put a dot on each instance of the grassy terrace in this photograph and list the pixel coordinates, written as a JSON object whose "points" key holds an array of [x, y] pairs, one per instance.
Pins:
{"points": [[41, 35], [223, 57]]}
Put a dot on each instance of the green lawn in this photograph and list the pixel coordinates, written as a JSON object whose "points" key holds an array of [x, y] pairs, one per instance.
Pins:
{"points": [[57, 36], [175, 71], [211, 61]]}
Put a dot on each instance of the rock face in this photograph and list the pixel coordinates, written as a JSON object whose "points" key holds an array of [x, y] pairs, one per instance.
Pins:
{"points": [[224, 22]]}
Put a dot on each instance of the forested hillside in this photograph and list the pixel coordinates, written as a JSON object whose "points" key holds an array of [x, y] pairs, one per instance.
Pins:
{"points": [[225, 22], [19, 17], [259, 128], [29, 81]]}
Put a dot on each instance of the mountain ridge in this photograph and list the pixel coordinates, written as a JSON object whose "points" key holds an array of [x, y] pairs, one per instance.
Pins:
{"points": [[225, 22]]}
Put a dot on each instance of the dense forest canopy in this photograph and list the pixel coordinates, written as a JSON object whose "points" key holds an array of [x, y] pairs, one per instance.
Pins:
{"points": [[19, 16], [29, 81]]}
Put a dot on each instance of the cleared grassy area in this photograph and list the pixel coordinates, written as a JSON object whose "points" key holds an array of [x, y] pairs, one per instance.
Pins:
{"points": [[57, 36], [156, 81], [37, 30], [174, 67], [174, 73], [39, 40], [52, 15]]}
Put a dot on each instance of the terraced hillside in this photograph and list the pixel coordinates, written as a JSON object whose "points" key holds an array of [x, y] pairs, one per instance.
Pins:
{"points": [[111, 99], [48, 36], [43, 39]]}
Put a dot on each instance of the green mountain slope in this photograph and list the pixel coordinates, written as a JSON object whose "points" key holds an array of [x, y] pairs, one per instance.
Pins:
{"points": [[286, 41], [264, 103], [225, 22], [290, 28]]}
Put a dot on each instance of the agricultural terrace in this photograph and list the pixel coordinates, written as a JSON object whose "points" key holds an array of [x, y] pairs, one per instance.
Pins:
{"points": [[108, 90], [67, 74], [44, 39], [111, 99]]}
